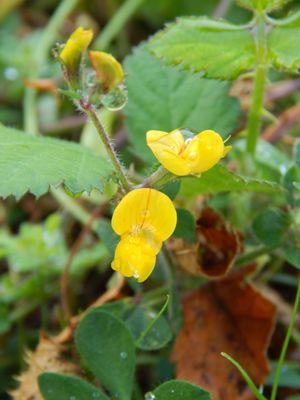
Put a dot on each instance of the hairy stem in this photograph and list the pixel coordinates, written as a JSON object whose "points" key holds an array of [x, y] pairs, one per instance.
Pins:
{"points": [[254, 119], [286, 343], [91, 113], [114, 26]]}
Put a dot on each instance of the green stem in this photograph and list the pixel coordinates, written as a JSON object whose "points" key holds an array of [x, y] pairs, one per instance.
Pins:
{"points": [[115, 25], [156, 178], [247, 378], [252, 255], [144, 333], [286, 343], [254, 119], [91, 112], [38, 60]]}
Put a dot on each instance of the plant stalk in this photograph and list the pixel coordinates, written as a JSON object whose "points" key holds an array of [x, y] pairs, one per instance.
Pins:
{"points": [[114, 26], [91, 113], [260, 76], [38, 60], [286, 343]]}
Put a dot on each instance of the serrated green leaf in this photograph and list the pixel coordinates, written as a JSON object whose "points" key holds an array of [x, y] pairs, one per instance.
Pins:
{"points": [[284, 46], [219, 179], [176, 389], [106, 348], [29, 163], [164, 98], [270, 225], [218, 49], [59, 387], [267, 5]]}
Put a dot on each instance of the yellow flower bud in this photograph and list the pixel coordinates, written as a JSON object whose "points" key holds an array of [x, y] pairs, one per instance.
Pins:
{"points": [[108, 70], [74, 48], [191, 156], [144, 219]]}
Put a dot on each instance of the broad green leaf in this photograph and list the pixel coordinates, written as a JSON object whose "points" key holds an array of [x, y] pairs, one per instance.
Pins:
{"points": [[176, 389], [171, 189], [186, 225], [158, 335], [218, 49], [270, 225], [137, 319], [59, 387], [164, 98], [106, 348], [291, 180], [219, 179], [284, 46], [291, 253], [29, 163], [267, 5]]}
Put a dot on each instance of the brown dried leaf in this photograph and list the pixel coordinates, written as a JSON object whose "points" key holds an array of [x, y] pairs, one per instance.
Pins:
{"points": [[230, 316], [216, 249], [48, 356]]}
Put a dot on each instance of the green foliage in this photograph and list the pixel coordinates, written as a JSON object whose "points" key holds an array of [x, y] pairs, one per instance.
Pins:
{"points": [[106, 348], [290, 376], [56, 386], [270, 225], [35, 163], [219, 179], [164, 98], [267, 5], [138, 319], [186, 226], [292, 253], [157, 336], [284, 47], [218, 49], [176, 389]]}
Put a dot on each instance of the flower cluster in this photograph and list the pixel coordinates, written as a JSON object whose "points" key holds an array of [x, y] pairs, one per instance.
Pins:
{"points": [[107, 70], [145, 217]]}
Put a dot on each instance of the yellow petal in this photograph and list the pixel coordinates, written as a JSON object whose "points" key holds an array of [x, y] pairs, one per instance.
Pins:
{"points": [[167, 148], [204, 151], [134, 257], [108, 70], [75, 46], [145, 209]]}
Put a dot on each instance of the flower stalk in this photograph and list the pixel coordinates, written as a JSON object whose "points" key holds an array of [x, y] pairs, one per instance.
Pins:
{"points": [[89, 109], [260, 76]]}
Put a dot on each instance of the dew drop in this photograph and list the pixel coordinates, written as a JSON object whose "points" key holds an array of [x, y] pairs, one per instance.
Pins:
{"points": [[123, 355], [149, 396], [136, 275]]}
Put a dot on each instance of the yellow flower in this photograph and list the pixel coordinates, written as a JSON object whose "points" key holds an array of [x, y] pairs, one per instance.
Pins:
{"points": [[74, 48], [191, 156], [144, 219], [108, 70]]}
